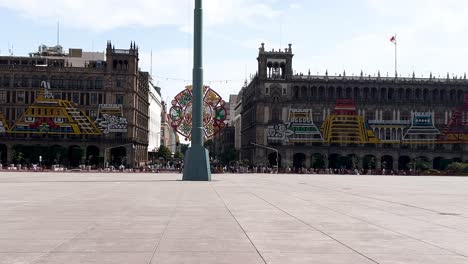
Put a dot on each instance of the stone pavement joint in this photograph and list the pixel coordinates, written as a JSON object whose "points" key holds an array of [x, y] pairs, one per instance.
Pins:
{"points": [[245, 218]]}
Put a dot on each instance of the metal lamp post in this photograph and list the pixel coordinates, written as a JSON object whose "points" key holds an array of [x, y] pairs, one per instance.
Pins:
{"points": [[196, 164]]}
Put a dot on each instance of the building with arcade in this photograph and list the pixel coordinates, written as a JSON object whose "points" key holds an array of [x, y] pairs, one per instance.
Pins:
{"points": [[74, 108], [325, 121]]}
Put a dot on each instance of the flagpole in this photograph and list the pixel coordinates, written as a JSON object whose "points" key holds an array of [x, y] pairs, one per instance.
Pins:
{"points": [[396, 70]]}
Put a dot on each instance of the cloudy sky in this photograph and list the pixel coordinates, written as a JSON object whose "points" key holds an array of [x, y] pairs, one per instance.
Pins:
{"points": [[333, 35]]}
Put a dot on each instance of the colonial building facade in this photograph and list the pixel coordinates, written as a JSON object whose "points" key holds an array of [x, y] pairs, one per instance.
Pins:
{"points": [[351, 121], [76, 108]]}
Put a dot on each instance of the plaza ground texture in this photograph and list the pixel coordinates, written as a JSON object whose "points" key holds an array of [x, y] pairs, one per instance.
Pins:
{"points": [[247, 218]]}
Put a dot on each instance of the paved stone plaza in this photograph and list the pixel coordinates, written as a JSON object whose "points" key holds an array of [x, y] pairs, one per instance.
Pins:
{"points": [[249, 218]]}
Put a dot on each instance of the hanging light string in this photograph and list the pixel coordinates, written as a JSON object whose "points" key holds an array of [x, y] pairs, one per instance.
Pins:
{"points": [[166, 78]]}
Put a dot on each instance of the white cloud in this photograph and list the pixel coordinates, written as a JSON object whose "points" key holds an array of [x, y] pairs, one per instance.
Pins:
{"points": [[110, 14]]}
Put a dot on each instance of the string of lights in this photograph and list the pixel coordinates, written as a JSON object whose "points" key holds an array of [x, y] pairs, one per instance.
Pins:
{"points": [[166, 78]]}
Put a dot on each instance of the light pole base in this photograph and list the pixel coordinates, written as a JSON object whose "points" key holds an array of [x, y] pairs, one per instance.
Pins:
{"points": [[197, 164]]}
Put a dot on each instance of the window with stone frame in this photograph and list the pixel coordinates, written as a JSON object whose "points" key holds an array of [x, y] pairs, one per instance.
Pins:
{"points": [[119, 99], [2, 96], [20, 97], [93, 99]]}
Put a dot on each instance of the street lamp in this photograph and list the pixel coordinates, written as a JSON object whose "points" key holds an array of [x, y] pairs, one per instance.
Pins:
{"points": [[277, 154], [124, 145]]}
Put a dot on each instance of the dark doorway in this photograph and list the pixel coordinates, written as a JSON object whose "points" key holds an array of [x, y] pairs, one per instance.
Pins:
{"points": [[334, 161], [438, 163], [56, 155], [75, 153], [92, 155], [403, 163], [299, 160], [272, 159], [318, 162], [369, 162], [3, 154], [118, 156], [387, 162]]}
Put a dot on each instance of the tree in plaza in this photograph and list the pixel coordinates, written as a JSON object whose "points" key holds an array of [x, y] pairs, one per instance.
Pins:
{"points": [[317, 161], [419, 164], [164, 152], [18, 157], [228, 155], [179, 155]]}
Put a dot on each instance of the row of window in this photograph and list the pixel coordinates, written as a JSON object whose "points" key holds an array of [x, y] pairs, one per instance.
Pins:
{"points": [[35, 82], [382, 94], [86, 99], [317, 116]]}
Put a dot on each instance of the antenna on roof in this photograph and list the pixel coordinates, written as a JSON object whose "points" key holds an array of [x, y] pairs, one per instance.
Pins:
{"points": [[58, 32], [151, 64]]}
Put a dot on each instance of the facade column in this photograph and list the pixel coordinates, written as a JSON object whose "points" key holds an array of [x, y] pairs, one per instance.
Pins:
{"points": [[9, 154], [308, 160], [378, 162], [395, 163], [325, 160]]}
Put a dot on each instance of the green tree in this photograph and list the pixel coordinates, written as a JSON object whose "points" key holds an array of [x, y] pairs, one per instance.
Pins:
{"points": [[18, 157], [179, 155], [228, 155], [317, 161], [164, 152]]}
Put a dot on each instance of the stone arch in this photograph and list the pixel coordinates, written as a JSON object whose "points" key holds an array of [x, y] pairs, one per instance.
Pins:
{"points": [[426, 95], [314, 92], [383, 94], [435, 96], [417, 94], [357, 93], [317, 161], [387, 162], [365, 93], [401, 94], [296, 92], [92, 155], [453, 96], [118, 156], [333, 161], [3, 154], [303, 92], [373, 92], [272, 159], [408, 94], [75, 154], [369, 162], [321, 92], [403, 162], [299, 160], [57, 155], [331, 93], [391, 93], [349, 93], [339, 93], [352, 161], [460, 96], [438, 163]]}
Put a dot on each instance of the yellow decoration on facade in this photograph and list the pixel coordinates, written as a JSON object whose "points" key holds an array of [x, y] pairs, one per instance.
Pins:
{"points": [[54, 116]]}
